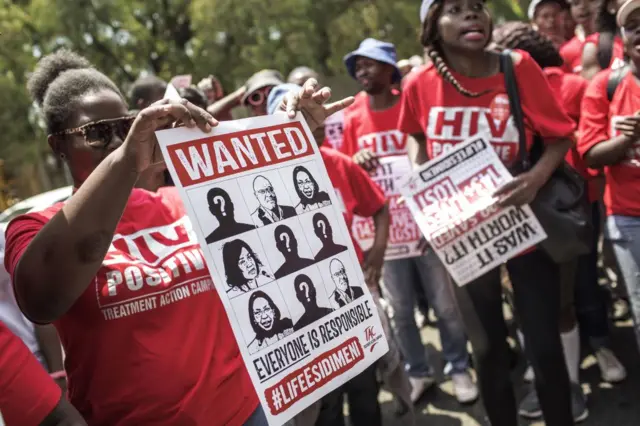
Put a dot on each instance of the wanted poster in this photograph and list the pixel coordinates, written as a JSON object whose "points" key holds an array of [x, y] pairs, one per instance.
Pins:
{"points": [[279, 251], [451, 200], [404, 234]]}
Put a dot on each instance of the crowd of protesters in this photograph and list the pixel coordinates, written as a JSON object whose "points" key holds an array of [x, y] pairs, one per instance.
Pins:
{"points": [[577, 65]]}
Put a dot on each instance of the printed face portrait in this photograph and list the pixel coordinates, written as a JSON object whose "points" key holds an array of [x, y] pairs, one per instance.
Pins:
{"points": [[306, 186], [241, 263], [339, 275], [322, 227], [286, 242], [305, 290], [264, 192], [263, 313], [220, 204]]}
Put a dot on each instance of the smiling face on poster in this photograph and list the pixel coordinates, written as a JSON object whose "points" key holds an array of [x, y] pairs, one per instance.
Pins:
{"points": [[289, 280]]}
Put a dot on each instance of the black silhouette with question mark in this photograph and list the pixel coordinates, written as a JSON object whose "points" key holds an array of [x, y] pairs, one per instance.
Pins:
{"points": [[287, 244], [221, 206], [307, 295], [324, 232]]}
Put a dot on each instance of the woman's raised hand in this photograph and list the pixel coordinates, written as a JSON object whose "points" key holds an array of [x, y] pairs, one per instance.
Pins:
{"points": [[310, 101], [141, 145]]}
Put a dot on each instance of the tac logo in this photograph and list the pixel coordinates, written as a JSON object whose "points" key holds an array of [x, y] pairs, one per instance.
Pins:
{"points": [[499, 107], [371, 338]]}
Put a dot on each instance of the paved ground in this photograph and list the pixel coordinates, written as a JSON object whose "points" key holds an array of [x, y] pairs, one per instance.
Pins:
{"points": [[608, 405]]}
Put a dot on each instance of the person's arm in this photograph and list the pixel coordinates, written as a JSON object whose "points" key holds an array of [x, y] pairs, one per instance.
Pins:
{"points": [[49, 344], [61, 260], [221, 109], [64, 414], [609, 152], [590, 64], [374, 258], [417, 149]]}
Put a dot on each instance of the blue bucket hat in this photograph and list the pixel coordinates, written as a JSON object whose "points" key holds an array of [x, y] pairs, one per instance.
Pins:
{"points": [[277, 94], [378, 51]]}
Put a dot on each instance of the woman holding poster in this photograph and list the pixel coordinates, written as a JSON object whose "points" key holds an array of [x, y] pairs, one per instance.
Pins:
{"points": [[105, 266], [460, 94]]}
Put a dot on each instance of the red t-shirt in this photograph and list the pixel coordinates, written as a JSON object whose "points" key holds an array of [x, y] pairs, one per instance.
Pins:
{"points": [[148, 342], [365, 128], [571, 88], [27, 393], [617, 50], [622, 188], [435, 108], [358, 194], [571, 53]]}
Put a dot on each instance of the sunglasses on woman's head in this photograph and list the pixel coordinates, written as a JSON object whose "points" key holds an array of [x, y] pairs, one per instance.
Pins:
{"points": [[258, 97], [99, 134]]}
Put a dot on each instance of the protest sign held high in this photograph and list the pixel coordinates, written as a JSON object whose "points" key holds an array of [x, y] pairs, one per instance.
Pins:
{"points": [[278, 249], [452, 202]]}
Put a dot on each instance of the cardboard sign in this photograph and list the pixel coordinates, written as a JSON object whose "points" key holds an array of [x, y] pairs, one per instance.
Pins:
{"points": [[279, 252], [452, 202]]}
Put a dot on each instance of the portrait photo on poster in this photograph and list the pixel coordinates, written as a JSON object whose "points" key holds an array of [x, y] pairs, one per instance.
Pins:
{"points": [[303, 183], [326, 240], [266, 197], [306, 295], [286, 247], [221, 211], [343, 286], [263, 317], [244, 263]]}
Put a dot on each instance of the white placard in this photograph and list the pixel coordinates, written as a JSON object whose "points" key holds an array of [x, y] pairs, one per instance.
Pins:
{"points": [[404, 234], [451, 200], [280, 255]]}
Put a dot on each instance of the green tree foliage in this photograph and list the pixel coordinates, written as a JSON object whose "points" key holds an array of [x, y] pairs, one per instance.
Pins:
{"points": [[228, 38]]}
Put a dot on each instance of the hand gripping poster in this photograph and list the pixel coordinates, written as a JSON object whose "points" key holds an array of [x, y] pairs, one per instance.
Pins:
{"points": [[451, 200], [279, 252], [404, 234]]}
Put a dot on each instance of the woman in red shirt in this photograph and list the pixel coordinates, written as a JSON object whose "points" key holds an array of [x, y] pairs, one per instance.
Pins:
{"points": [[589, 305], [583, 13], [462, 94], [610, 139], [119, 271]]}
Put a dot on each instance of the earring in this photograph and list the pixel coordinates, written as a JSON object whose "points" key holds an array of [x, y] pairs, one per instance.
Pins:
{"points": [[62, 156]]}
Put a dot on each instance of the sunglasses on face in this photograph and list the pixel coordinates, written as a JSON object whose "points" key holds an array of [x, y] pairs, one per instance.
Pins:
{"points": [[99, 134], [258, 97]]}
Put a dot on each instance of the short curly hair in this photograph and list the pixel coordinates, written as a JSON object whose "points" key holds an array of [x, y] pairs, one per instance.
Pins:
{"points": [[59, 80], [519, 35]]}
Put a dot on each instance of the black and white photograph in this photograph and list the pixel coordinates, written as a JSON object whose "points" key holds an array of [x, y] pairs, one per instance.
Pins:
{"points": [[245, 266], [311, 302], [264, 317], [343, 287], [267, 198], [221, 211]]}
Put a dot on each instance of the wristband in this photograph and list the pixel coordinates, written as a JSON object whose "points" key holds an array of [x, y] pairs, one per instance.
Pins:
{"points": [[58, 375]]}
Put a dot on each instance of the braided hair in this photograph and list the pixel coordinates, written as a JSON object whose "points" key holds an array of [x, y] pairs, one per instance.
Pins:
{"points": [[519, 35], [429, 39], [59, 81]]}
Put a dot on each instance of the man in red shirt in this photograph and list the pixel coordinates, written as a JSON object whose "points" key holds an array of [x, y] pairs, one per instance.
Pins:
{"points": [[370, 133], [28, 396]]}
